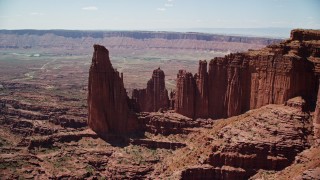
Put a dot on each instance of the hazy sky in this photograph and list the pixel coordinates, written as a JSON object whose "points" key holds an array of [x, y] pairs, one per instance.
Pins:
{"points": [[158, 14]]}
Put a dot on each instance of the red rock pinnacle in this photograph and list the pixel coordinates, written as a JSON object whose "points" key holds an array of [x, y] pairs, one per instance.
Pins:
{"points": [[155, 96], [107, 97]]}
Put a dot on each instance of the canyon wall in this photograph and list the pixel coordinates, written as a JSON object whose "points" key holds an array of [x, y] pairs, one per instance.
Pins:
{"points": [[155, 96], [239, 82], [107, 97]]}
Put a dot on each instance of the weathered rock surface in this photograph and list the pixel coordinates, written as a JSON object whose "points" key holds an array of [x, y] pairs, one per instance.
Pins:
{"points": [[305, 166], [201, 93], [107, 97], [316, 119], [185, 94], [242, 81], [209, 172], [157, 144], [269, 138], [155, 96], [166, 123], [305, 35]]}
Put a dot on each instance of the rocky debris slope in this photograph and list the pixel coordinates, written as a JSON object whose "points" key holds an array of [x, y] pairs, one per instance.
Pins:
{"points": [[154, 97], [30, 119], [268, 138], [107, 98], [74, 155], [239, 82]]}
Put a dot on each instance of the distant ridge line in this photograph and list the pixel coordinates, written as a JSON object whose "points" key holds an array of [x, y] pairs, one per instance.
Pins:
{"points": [[169, 35]]}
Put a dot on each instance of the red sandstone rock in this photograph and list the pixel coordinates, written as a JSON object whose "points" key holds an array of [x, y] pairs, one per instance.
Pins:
{"points": [[217, 88], [266, 138], [304, 35], [107, 97], [316, 120], [155, 96], [209, 172], [166, 123], [157, 144], [201, 95], [185, 94], [243, 81]]}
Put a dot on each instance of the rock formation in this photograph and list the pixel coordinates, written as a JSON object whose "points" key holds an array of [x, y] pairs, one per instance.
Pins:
{"points": [[201, 96], [172, 99], [185, 94], [107, 97], [239, 82], [265, 138], [155, 96], [316, 121]]}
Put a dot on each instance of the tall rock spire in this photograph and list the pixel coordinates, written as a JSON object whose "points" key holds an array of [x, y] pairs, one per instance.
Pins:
{"points": [[185, 94], [201, 106], [107, 97]]}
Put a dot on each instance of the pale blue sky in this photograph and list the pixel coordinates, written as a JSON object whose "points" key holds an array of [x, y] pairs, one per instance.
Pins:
{"points": [[158, 14]]}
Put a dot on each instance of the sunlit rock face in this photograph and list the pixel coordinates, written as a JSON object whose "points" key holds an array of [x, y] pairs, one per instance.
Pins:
{"points": [[239, 82]]}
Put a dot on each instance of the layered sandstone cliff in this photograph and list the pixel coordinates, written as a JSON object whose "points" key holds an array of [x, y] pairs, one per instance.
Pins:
{"points": [[266, 138], [155, 96], [107, 97], [242, 81]]}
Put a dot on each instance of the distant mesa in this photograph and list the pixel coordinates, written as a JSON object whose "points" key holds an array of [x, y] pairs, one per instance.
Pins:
{"points": [[68, 41]]}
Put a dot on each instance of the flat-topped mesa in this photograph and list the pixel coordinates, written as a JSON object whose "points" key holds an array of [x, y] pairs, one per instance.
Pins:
{"points": [[305, 34], [239, 82], [107, 98], [155, 96]]}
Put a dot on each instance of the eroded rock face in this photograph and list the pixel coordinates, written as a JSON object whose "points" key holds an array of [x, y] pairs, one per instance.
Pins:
{"points": [[185, 94], [155, 96], [243, 81], [316, 121], [107, 97], [305, 35], [267, 138], [201, 95], [166, 123], [272, 144]]}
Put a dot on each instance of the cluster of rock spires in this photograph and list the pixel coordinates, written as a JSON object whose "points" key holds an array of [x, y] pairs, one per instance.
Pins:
{"points": [[239, 82], [233, 85], [154, 97]]}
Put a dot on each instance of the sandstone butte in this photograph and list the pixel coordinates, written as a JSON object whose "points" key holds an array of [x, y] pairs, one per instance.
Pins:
{"points": [[107, 97]]}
